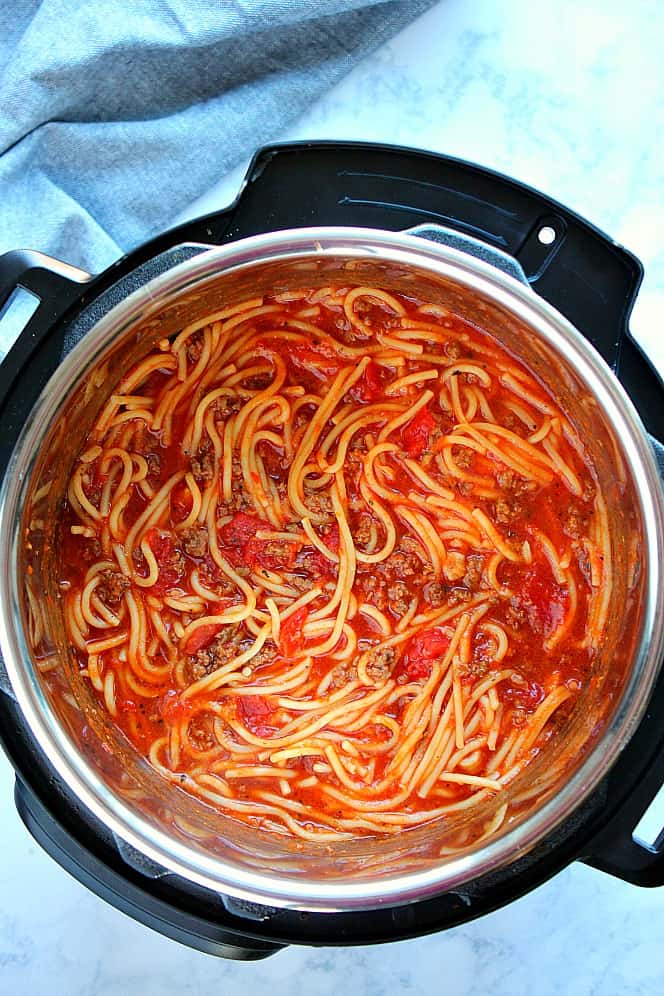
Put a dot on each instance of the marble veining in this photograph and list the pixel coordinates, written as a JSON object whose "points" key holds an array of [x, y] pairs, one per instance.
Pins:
{"points": [[568, 97]]}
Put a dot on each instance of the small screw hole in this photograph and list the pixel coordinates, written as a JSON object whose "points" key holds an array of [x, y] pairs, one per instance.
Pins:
{"points": [[546, 235]]}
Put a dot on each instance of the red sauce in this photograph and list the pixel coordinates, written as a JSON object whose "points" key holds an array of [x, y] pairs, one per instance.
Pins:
{"points": [[524, 599]]}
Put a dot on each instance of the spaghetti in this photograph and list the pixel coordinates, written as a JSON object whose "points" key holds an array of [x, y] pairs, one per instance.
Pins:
{"points": [[335, 562]]}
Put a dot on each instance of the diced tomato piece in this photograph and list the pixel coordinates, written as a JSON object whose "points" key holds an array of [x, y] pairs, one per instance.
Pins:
{"points": [[254, 711], [429, 644], [201, 637], [168, 557], [418, 669], [319, 360], [321, 567], [259, 553], [424, 649], [291, 638], [370, 386], [237, 534], [416, 433], [241, 529], [173, 708], [251, 554], [543, 601], [242, 546], [181, 502]]}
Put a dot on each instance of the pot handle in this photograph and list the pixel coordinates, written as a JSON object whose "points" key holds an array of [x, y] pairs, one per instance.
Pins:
{"points": [[5, 684], [86, 858], [55, 284], [617, 853], [659, 454], [615, 849], [474, 247]]}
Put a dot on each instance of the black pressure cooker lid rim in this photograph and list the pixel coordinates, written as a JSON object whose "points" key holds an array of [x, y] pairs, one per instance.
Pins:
{"points": [[382, 186]]}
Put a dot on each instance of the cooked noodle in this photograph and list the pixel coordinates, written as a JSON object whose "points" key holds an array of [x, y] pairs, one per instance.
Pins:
{"points": [[335, 563]]}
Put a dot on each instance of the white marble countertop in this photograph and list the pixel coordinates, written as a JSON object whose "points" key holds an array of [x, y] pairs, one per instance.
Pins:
{"points": [[569, 98]]}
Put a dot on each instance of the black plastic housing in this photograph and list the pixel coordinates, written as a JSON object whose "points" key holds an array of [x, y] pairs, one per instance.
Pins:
{"points": [[586, 276]]}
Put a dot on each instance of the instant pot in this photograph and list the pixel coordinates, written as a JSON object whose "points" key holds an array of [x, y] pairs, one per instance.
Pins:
{"points": [[546, 282]]}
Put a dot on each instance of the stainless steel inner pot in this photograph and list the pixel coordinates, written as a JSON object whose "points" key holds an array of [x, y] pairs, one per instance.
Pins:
{"points": [[171, 829]]}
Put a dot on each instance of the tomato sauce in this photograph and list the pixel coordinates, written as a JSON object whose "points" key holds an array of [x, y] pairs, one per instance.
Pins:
{"points": [[443, 559]]}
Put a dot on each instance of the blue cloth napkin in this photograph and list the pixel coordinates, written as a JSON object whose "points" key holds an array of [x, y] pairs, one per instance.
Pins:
{"points": [[115, 115]]}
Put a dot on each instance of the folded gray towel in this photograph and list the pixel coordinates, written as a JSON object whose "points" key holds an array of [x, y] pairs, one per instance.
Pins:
{"points": [[115, 115]]}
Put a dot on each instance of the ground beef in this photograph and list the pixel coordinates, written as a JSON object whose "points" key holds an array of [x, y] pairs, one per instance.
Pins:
{"points": [[518, 718], [463, 457], [277, 549], [362, 533], [91, 550], [258, 383], [380, 663], [412, 548], [319, 503], [112, 587], [505, 479], [225, 406], [154, 464], [195, 541], [573, 523], [238, 503], [194, 348], [298, 581], [265, 655], [201, 732], [515, 615], [588, 491], [463, 487], [91, 487], [373, 589], [341, 675], [314, 565], [435, 594], [309, 564], [455, 566], [458, 595], [220, 584], [138, 558], [223, 649], [509, 481], [453, 350], [202, 463], [363, 306], [506, 509], [398, 596], [584, 562], [175, 563], [403, 564], [357, 446], [473, 576], [474, 669]]}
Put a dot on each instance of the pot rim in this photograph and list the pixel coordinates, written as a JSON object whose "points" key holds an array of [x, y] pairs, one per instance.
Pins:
{"points": [[395, 889]]}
